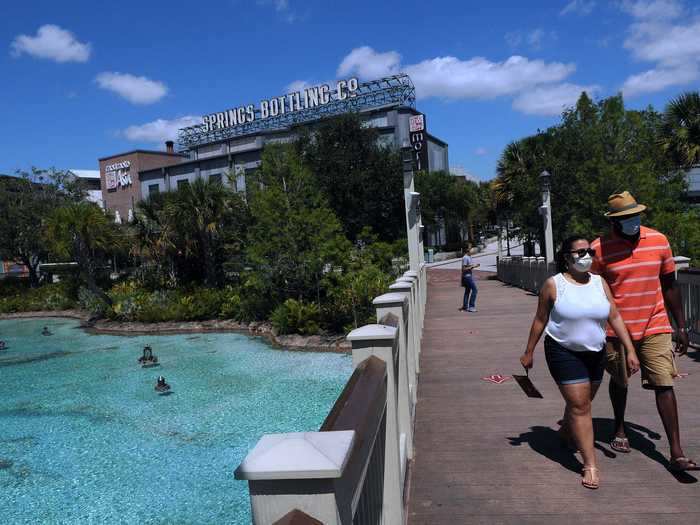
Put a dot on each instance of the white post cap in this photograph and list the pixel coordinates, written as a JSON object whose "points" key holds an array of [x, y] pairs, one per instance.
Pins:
{"points": [[298, 455], [390, 298], [372, 332]]}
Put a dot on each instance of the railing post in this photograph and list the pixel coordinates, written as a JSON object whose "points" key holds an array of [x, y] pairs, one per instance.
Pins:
{"points": [[414, 341], [296, 471], [381, 341], [412, 277], [395, 304]]}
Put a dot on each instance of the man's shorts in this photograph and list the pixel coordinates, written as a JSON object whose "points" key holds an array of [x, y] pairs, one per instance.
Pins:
{"points": [[655, 353]]}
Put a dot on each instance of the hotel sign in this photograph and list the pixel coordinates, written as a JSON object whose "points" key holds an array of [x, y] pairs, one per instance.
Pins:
{"points": [[308, 98], [118, 175], [419, 141]]}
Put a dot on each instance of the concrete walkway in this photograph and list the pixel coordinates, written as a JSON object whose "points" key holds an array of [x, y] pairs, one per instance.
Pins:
{"points": [[487, 454]]}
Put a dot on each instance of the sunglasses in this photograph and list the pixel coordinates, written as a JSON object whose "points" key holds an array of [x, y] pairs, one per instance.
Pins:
{"points": [[583, 251]]}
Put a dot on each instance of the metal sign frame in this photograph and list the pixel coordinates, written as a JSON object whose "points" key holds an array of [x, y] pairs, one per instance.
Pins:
{"points": [[397, 90]]}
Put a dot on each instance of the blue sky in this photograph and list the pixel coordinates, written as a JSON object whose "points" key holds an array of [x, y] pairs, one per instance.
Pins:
{"points": [[82, 80]]}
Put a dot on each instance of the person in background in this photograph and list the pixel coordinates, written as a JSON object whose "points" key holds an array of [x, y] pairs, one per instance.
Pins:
{"points": [[638, 264], [470, 290], [573, 309]]}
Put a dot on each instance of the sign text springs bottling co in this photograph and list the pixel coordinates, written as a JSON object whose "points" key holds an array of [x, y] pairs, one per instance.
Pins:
{"points": [[299, 100]]}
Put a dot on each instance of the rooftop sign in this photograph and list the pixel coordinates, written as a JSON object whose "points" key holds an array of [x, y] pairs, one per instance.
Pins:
{"points": [[299, 107]]}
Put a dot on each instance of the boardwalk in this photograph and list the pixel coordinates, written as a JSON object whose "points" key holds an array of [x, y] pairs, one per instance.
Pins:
{"points": [[487, 454]]}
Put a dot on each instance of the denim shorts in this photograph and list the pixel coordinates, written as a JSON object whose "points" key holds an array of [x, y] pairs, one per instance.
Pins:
{"points": [[568, 368]]}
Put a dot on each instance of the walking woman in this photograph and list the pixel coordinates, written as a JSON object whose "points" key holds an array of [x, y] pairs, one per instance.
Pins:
{"points": [[574, 307]]}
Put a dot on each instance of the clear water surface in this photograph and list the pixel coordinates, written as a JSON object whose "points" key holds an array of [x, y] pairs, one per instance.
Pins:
{"points": [[84, 438]]}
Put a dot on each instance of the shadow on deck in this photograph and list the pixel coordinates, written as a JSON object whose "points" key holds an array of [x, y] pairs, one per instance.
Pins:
{"points": [[487, 454]]}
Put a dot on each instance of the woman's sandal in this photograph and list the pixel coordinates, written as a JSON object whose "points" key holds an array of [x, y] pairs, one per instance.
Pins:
{"points": [[593, 485], [683, 464], [620, 444]]}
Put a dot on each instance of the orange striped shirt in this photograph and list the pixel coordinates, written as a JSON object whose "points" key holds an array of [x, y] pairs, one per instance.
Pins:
{"points": [[633, 271]]}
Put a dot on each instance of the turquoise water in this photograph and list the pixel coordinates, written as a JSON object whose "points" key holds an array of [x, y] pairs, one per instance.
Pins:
{"points": [[84, 438]]}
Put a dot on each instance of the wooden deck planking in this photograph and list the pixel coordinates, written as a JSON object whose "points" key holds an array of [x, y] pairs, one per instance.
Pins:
{"points": [[486, 454]]}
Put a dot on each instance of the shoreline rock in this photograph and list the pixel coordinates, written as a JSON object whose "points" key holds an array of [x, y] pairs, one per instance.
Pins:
{"points": [[295, 342]]}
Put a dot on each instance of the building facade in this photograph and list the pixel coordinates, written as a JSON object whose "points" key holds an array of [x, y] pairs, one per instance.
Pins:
{"points": [[229, 144]]}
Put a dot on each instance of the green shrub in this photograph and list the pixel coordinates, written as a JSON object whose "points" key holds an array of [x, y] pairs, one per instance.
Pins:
{"points": [[296, 317], [350, 297], [90, 302], [55, 296], [230, 304]]}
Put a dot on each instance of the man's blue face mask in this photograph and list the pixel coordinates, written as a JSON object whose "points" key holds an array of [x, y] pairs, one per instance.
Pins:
{"points": [[631, 226]]}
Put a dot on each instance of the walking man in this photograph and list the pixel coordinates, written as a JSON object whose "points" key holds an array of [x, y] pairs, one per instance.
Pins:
{"points": [[470, 290], [637, 263]]}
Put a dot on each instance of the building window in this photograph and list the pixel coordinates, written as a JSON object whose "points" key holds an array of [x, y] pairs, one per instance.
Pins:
{"points": [[215, 178], [182, 183], [153, 188]]}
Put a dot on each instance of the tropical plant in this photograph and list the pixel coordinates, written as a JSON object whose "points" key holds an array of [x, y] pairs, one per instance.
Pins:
{"points": [[680, 130], [81, 232]]}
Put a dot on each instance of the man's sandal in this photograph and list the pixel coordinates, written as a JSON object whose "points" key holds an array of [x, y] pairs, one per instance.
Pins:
{"points": [[620, 444], [683, 464], [593, 485]]}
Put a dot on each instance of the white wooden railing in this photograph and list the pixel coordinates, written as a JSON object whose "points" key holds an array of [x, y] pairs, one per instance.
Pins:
{"points": [[355, 468]]}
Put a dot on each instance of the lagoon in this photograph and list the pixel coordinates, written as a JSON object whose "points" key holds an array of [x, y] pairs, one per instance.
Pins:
{"points": [[84, 438]]}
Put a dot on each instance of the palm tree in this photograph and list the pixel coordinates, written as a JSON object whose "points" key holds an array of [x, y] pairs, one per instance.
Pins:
{"points": [[680, 131], [204, 213], [81, 232], [511, 168], [155, 234]]}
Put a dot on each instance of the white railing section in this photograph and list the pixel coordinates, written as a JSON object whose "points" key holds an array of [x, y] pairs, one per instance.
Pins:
{"points": [[689, 282], [355, 469]]}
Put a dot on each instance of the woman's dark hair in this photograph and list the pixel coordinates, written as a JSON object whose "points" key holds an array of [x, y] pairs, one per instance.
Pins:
{"points": [[560, 256]]}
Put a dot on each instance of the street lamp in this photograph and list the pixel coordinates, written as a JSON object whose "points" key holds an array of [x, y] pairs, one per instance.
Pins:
{"points": [[546, 212]]}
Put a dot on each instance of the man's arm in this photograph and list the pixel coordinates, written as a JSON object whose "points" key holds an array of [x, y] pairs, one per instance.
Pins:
{"points": [[674, 304]]}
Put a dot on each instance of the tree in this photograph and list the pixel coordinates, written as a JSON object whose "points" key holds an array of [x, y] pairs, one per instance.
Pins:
{"points": [[451, 199], [81, 232], [26, 201], [295, 237], [596, 150], [361, 179], [680, 130], [207, 216]]}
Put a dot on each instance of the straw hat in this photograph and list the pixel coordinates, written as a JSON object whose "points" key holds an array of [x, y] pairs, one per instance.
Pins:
{"points": [[621, 204]]}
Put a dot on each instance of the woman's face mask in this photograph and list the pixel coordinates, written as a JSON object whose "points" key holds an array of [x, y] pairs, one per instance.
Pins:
{"points": [[631, 226], [583, 264]]}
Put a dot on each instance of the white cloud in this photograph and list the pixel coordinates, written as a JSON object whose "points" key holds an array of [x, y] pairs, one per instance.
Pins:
{"points": [[137, 90], [480, 78], [534, 39], [53, 43], [665, 43], [366, 63], [655, 80], [452, 78], [662, 35], [551, 100], [653, 9], [580, 7], [160, 130], [297, 85], [480, 151], [282, 8]]}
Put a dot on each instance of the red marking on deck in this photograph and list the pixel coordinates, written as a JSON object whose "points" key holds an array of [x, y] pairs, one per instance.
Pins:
{"points": [[496, 378]]}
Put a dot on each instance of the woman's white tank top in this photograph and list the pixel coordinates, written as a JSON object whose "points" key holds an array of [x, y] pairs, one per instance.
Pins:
{"points": [[579, 316]]}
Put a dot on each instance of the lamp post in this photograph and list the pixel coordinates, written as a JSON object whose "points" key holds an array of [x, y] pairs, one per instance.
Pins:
{"points": [[546, 211], [408, 162]]}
